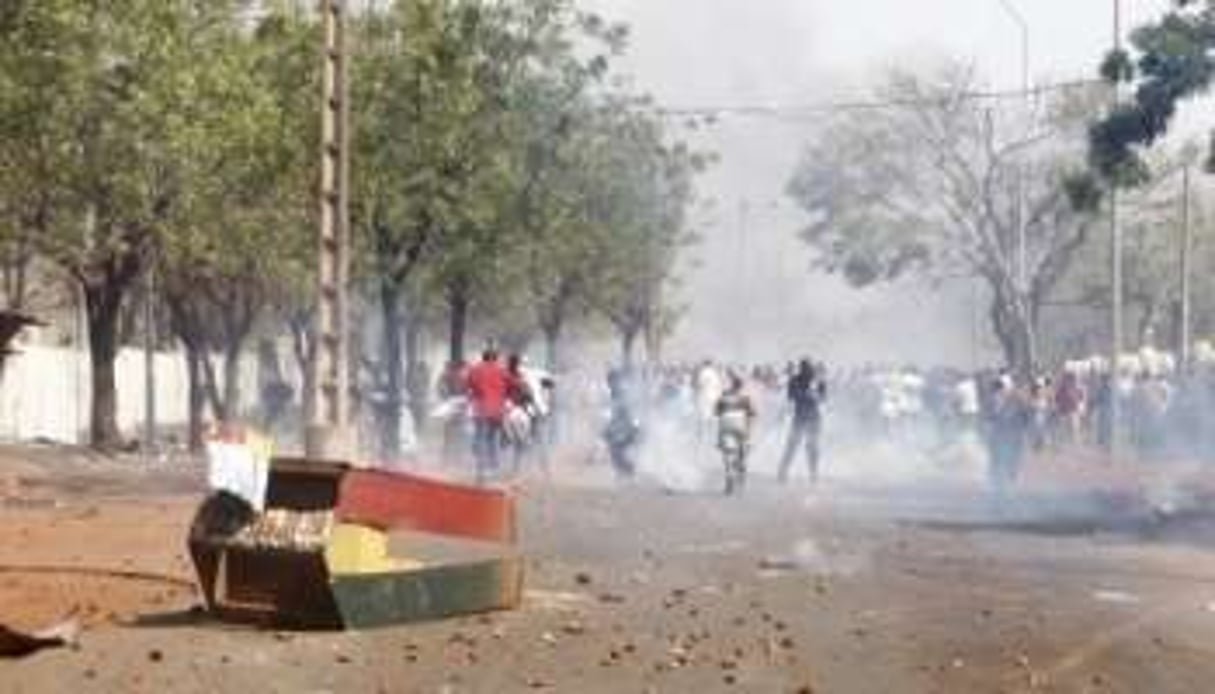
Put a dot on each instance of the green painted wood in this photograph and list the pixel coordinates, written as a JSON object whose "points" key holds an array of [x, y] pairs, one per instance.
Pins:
{"points": [[428, 594]]}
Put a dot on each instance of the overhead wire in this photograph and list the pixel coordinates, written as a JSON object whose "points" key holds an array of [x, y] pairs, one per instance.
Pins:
{"points": [[796, 111]]}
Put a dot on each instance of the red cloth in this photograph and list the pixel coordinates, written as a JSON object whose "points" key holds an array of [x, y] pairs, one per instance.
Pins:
{"points": [[488, 384]]}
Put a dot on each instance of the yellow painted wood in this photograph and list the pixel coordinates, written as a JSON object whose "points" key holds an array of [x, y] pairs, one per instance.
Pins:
{"points": [[359, 550]]}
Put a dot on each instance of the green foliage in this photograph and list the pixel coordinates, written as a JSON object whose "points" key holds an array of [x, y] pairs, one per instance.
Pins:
{"points": [[494, 166], [944, 188], [1174, 62], [491, 159]]}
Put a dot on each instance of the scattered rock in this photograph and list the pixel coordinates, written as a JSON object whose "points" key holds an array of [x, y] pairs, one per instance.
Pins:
{"points": [[155, 655], [583, 578]]}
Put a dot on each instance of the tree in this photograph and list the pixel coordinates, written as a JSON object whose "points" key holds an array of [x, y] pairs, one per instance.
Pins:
{"points": [[646, 187], [426, 138], [1173, 60], [928, 188], [243, 244], [456, 109], [102, 99], [1152, 214]]}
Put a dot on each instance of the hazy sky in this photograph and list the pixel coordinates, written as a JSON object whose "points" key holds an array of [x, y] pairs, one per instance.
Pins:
{"points": [[692, 53]]}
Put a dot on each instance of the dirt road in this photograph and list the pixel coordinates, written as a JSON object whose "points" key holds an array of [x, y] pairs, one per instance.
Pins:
{"points": [[844, 590]]}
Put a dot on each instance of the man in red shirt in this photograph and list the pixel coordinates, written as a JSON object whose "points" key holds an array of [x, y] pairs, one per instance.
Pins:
{"points": [[487, 385]]}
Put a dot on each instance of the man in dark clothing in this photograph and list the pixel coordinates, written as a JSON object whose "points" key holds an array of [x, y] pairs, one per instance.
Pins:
{"points": [[622, 432], [806, 392], [1009, 423]]}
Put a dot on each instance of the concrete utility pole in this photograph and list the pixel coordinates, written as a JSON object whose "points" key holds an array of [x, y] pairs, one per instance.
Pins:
{"points": [[329, 435], [1115, 405]]}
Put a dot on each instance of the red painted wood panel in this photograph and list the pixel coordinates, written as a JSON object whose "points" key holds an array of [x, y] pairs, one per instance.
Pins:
{"points": [[404, 502]]}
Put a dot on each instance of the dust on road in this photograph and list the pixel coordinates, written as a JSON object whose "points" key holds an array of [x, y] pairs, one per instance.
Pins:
{"points": [[632, 590]]}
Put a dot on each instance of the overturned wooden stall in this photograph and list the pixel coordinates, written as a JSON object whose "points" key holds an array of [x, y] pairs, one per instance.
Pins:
{"points": [[343, 548]]}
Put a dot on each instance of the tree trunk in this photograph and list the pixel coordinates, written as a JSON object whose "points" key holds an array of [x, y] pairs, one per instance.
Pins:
{"points": [[197, 396], [185, 326], [417, 375], [1013, 332], [104, 303], [1147, 322], [303, 347], [390, 409], [628, 346], [552, 346], [232, 393], [653, 344], [457, 306], [211, 388]]}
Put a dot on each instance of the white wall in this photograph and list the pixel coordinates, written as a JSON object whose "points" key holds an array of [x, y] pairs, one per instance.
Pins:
{"points": [[45, 392]]}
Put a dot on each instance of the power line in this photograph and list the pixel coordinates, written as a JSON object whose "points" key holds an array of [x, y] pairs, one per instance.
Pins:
{"points": [[816, 109]]}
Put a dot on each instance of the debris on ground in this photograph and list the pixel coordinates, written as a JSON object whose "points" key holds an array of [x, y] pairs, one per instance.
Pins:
{"points": [[16, 644]]}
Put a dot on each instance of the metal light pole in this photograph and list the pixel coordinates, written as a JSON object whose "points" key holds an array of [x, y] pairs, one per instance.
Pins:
{"points": [[1187, 243], [328, 435], [743, 279], [1115, 404], [1023, 289], [149, 365]]}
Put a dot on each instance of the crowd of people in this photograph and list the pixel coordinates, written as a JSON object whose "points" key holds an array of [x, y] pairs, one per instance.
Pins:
{"points": [[497, 407], [509, 414]]}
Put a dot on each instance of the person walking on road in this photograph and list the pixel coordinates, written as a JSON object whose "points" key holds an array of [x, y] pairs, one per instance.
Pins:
{"points": [[735, 419], [806, 392], [488, 384], [622, 432]]}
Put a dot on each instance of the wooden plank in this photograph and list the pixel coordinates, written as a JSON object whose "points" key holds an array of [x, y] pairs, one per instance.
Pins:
{"points": [[367, 602], [404, 502], [357, 549]]}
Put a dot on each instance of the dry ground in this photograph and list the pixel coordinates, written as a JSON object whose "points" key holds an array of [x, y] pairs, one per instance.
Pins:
{"points": [[844, 590]]}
